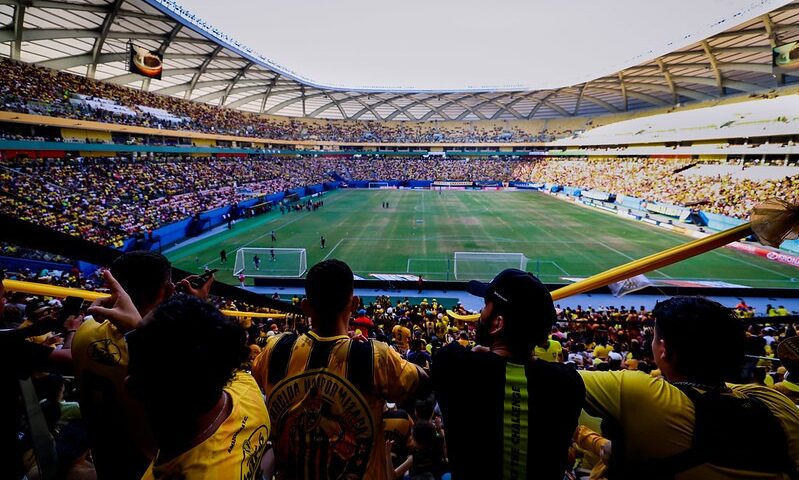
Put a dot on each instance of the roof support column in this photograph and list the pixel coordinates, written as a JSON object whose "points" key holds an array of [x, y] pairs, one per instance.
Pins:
{"points": [[266, 94], [100, 41], [714, 64], [200, 71], [19, 23], [768, 23], [669, 80], [623, 91]]}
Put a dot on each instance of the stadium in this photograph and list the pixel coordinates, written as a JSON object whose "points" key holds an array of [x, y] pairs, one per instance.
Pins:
{"points": [[153, 151]]}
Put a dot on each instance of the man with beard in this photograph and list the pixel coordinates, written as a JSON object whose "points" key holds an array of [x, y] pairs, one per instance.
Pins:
{"points": [[516, 392]]}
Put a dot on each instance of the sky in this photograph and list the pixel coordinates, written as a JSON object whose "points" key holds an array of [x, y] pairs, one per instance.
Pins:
{"points": [[452, 45]]}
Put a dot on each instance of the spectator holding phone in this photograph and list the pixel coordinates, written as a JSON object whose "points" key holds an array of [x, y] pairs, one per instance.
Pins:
{"points": [[207, 415], [122, 444]]}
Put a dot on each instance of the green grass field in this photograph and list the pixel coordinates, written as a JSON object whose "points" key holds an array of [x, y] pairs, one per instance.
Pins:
{"points": [[420, 231]]}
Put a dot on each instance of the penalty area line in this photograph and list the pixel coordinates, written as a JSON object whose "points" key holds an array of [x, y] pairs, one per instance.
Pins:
{"points": [[332, 249]]}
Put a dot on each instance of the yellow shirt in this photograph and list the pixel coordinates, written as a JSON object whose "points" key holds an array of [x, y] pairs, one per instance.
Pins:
{"points": [[402, 336], [234, 450], [550, 354], [441, 328], [325, 397], [657, 418], [124, 443]]}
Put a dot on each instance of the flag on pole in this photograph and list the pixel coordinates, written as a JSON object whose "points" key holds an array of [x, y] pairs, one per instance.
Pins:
{"points": [[631, 284]]}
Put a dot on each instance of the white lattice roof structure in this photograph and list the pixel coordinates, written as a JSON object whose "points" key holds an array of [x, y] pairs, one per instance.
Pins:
{"points": [[90, 37]]}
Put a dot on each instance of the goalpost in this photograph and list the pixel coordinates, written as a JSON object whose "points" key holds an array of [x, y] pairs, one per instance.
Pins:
{"points": [[272, 262], [378, 185], [485, 265]]}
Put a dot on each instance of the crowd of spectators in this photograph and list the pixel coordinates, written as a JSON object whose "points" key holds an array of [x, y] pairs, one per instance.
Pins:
{"points": [[107, 200], [26, 88], [421, 439], [658, 180], [11, 250], [420, 168]]}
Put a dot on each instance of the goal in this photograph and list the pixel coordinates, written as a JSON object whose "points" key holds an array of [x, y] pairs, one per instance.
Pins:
{"points": [[273, 262], [485, 265], [378, 185]]}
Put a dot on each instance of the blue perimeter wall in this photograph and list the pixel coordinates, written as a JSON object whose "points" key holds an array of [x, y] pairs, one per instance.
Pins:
{"points": [[176, 232]]}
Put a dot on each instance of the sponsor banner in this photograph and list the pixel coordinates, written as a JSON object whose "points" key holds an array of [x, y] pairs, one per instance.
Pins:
{"points": [[528, 185], [663, 282], [393, 277], [452, 184], [699, 283], [597, 195], [783, 258], [667, 210], [779, 257]]}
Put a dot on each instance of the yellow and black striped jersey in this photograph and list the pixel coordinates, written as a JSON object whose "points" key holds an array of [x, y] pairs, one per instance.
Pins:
{"points": [[325, 397]]}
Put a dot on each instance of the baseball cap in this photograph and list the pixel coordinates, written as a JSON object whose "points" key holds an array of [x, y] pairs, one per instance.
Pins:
{"points": [[362, 312], [515, 290]]}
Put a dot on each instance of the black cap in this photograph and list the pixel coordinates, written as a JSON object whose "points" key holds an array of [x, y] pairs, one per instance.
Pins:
{"points": [[515, 290]]}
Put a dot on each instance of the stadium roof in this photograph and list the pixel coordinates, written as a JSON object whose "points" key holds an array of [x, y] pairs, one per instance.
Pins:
{"points": [[90, 37], [426, 46]]}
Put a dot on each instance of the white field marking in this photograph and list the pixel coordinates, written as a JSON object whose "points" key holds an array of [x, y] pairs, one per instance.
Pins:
{"points": [[331, 250], [299, 217], [560, 268], [216, 259], [758, 266], [626, 256]]}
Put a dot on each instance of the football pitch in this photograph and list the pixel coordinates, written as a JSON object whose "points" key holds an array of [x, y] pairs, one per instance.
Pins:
{"points": [[421, 230]]}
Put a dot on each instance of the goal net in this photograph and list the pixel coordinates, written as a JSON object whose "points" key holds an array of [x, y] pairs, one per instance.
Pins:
{"points": [[270, 262], [485, 265], [378, 184]]}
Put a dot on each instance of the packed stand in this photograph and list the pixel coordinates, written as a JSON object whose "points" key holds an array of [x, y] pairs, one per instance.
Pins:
{"points": [[26, 88], [656, 180], [107, 200]]}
